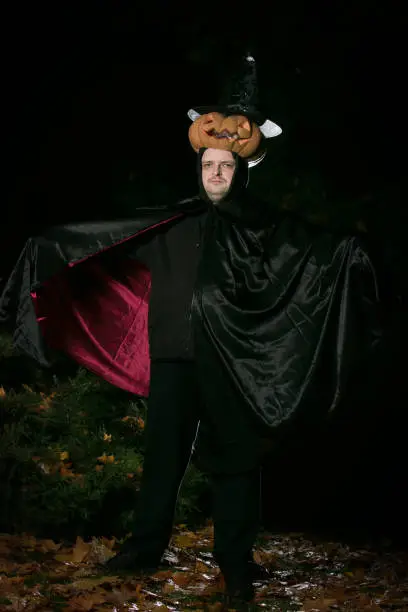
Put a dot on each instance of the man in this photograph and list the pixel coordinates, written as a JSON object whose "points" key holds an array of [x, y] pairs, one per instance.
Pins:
{"points": [[228, 314], [177, 401]]}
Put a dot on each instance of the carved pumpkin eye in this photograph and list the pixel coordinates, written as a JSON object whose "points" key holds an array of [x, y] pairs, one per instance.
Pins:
{"points": [[244, 129], [208, 120]]}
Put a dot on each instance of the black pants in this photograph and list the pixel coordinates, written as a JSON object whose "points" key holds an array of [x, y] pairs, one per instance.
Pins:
{"points": [[174, 411]]}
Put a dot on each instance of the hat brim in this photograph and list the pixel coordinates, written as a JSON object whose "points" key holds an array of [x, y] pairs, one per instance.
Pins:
{"points": [[268, 128]]}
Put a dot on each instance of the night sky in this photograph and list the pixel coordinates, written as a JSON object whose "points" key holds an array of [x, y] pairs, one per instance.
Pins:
{"points": [[96, 99]]}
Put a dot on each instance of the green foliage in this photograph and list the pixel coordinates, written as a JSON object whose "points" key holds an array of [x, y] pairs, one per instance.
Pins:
{"points": [[6, 345], [71, 457]]}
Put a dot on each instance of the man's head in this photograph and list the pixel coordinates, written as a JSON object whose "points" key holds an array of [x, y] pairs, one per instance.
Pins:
{"points": [[217, 171]]}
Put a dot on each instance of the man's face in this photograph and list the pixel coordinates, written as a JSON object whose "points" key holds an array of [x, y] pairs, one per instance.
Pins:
{"points": [[218, 169]]}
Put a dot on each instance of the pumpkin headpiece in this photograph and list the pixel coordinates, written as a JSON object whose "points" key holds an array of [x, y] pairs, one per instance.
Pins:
{"points": [[234, 124]]}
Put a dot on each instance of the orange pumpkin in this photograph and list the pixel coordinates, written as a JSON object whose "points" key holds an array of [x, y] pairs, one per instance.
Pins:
{"points": [[234, 133]]}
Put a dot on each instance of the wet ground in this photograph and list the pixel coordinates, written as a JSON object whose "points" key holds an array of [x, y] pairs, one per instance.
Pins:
{"points": [[305, 573]]}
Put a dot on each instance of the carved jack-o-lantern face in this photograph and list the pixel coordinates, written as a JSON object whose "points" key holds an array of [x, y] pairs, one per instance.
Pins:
{"points": [[234, 133]]}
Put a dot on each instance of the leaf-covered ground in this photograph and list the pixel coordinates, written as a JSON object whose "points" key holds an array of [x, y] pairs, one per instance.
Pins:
{"points": [[305, 574]]}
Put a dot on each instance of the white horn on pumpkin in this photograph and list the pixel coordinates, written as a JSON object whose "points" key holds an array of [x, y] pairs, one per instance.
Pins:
{"points": [[270, 129], [193, 115]]}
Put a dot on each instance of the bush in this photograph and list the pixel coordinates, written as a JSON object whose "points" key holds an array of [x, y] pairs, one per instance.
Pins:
{"points": [[71, 455]]}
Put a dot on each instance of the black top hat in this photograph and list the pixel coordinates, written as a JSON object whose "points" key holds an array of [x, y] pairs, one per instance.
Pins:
{"points": [[240, 97]]}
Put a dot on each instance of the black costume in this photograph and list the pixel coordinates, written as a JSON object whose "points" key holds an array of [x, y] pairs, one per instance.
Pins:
{"points": [[255, 324], [283, 314]]}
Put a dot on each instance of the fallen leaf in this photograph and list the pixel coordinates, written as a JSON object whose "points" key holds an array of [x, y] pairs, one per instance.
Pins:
{"points": [[126, 592], [81, 550], [257, 557], [168, 587], [85, 602], [108, 543], [188, 539], [163, 575], [89, 583], [78, 554], [46, 546], [183, 578], [201, 567], [216, 607]]}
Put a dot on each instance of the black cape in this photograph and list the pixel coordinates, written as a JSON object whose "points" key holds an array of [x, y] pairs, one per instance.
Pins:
{"points": [[284, 313]]}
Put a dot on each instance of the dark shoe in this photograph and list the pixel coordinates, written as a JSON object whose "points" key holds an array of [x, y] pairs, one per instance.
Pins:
{"points": [[132, 562], [130, 559], [239, 574]]}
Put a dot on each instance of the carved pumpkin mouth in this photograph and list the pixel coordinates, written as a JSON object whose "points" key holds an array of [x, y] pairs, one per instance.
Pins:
{"points": [[226, 134], [233, 133]]}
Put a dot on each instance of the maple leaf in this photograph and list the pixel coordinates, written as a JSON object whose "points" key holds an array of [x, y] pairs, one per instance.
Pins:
{"points": [[81, 550], [78, 554]]}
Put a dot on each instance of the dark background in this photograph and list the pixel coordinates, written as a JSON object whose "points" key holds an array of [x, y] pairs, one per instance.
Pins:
{"points": [[95, 99], [94, 123]]}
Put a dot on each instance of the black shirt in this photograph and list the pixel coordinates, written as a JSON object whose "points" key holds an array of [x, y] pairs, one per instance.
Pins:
{"points": [[172, 255]]}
